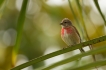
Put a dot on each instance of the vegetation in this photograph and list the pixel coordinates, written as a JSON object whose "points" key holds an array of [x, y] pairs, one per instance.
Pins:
{"points": [[30, 35]]}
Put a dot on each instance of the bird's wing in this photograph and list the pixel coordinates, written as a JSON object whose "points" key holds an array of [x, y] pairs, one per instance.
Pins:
{"points": [[77, 33]]}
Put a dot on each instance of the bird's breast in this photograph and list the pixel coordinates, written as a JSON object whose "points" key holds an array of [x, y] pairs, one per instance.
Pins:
{"points": [[69, 36], [66, 31]]}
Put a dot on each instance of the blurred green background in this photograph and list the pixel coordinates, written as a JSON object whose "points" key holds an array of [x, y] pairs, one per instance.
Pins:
{"points": [[41, 31]]}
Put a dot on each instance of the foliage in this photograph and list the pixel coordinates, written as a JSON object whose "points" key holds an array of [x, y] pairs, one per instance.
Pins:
{"points": [[35, 27]]}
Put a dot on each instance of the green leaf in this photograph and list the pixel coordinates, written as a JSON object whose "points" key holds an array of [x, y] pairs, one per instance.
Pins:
{"points": [[91, 65], [20, 24], [73, 12], [77, 46], [82, 19], [76, 57], [97, 6]]}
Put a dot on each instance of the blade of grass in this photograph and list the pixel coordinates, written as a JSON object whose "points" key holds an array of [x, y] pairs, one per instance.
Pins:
{"points": [[82, 19], [91, 65], [77, 46], [20, 24], [97, 6], [76, 57], [73, 12]]}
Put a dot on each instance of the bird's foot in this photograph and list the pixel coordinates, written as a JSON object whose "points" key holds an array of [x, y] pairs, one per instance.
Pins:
{"points": [[65, 47], [70, 45]]}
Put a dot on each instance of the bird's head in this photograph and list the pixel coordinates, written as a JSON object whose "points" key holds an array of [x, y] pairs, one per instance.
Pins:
{"points": [[66, 23]]}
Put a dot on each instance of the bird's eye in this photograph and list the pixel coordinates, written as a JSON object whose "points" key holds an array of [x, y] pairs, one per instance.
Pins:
{"points": [[65, 22]]}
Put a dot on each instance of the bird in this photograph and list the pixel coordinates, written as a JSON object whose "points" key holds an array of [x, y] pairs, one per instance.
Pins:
{"points": [[70, 34]]}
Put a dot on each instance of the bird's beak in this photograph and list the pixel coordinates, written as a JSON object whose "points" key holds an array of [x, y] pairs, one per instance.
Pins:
{"points": [[61, 23]]}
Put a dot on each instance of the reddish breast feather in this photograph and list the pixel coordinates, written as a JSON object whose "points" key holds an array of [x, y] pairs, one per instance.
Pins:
{"points": [[68, 30], [62, 31]]}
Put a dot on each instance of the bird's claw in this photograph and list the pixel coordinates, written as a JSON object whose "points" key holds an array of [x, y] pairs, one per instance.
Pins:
{"points": [[65, 47]]}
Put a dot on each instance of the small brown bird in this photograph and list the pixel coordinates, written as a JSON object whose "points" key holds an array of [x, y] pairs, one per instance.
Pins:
{"points": [[69, 33]]}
